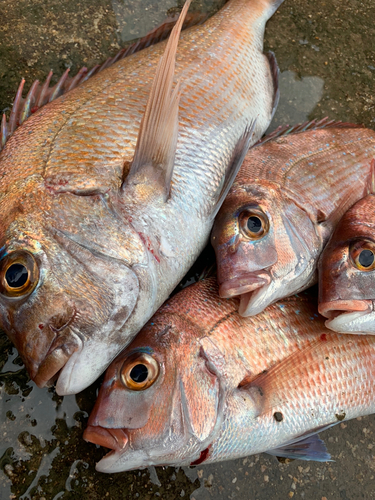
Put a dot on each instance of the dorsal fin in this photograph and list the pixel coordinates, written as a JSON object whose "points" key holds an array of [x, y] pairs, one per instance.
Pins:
{"points": [[370, 184], [238, 156], [275, 73], [41, 93], [284, 130], [157, 138]]}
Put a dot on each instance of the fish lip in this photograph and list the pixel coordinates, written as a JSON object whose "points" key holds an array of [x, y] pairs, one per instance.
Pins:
{"points": [[335, 308], [243, 284], [115, 439], [57, 356], [247, 299], [347, 322]]}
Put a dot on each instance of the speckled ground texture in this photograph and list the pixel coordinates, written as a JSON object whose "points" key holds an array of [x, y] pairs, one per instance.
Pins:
{"points": [[326, 52]]}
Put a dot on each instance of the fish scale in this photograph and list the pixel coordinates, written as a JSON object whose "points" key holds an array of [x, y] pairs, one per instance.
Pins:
{"points": [[232, 386], [110, 209], [299, 181]]}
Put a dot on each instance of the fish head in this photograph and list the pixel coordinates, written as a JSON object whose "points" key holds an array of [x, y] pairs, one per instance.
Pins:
{"points": [[347, 272], [69, 282], [266, 246], [159, 402]]}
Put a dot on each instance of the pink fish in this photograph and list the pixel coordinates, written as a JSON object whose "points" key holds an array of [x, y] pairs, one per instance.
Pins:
{"points": [[202, 384], [108, 193], [288, 197], [347, 269]]}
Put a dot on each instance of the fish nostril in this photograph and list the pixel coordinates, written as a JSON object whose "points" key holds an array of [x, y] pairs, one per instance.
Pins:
{"points": [[60, 322]]}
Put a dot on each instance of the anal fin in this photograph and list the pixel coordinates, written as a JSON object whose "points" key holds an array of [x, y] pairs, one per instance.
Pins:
{"points": [[310, 448]]}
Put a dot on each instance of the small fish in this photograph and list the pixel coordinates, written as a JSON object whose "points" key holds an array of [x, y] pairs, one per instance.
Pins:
{"points": [[287, 198], [347, 269], [202, 384], [108, 193]]}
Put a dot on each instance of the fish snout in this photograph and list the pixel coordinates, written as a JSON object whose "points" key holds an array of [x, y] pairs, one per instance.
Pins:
{"points": [[242, 284], [114, 439], [55, 360], [334, 308], [64, 344]]}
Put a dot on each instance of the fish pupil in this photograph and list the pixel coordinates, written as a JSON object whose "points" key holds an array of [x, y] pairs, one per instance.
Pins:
{"points": [[254, 224], [16, 275], [139, 373], [366, 258]]}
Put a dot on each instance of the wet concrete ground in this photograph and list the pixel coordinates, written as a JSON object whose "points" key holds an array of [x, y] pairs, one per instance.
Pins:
{"points": [[326, 52]]}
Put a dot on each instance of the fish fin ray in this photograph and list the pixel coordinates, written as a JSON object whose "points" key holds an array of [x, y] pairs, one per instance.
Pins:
{"points": [[370, 183], [275, 73], [41, 94], [285, 130], [235, 163], [307, 448], [158, 133]]}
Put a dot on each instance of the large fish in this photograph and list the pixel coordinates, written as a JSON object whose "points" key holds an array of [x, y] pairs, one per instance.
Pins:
{"points": [[286, 200], [101, 215], [347, 269], [202, 384]]}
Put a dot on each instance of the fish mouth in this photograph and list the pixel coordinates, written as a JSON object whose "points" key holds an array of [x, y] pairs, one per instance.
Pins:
{"points": [[56, 358], [243, 285], [114, 439], [335, 308], [349, 316]]}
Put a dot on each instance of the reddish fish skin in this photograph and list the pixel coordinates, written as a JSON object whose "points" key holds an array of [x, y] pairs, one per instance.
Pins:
{"points": [[302, 183], [222, 379], [347, 289], [110, 251]]}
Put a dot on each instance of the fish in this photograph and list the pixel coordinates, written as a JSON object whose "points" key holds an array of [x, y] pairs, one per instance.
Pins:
{"points": [[288, 197], [201, 384], [347, 269], [108, 193]]}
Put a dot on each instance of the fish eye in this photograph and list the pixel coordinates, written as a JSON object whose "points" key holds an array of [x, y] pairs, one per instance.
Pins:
{"points": [[19, 274], [363, 255], [139, 371], [254, 223]]}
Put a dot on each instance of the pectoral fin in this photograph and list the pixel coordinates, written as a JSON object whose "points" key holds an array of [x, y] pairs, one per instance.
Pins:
{"points": [[236, 161], [157, 139]]}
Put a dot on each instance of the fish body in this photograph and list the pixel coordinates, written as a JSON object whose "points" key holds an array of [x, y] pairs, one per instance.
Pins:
{"points": [[220, 386], [347, 271], [100, 217], [287, 198]]}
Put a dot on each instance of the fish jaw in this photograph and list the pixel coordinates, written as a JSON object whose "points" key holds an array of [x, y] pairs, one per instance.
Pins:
{"points": [[243, 284], [55, 361], [114, 439], [85, 365], [349, 316], [121, 457], [253, 302], [117, 441]]}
